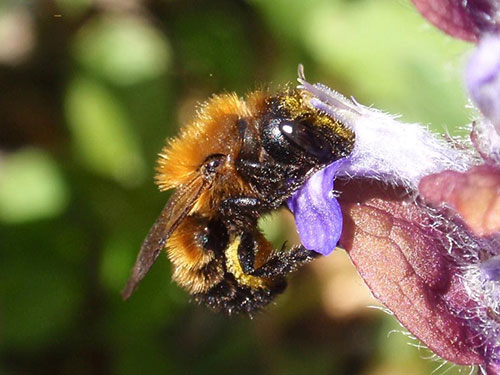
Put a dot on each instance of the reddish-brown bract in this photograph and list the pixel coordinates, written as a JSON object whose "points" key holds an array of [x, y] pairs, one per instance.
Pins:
{"points": [[403, 261], [449, 16], [475, 195]]}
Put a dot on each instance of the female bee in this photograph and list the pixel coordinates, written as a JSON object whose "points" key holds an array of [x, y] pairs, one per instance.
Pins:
{"points": [[238, 160]]}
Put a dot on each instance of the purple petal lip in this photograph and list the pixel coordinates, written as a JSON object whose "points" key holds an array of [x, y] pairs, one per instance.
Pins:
{"points": [[317, 212]]}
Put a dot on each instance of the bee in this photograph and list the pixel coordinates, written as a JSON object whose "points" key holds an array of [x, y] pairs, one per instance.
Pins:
{"points": [[239, 159]]}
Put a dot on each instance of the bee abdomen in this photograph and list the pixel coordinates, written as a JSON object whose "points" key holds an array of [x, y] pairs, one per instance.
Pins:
{"points": [[232, 298], [239, 291], [195, 250], [199, 280]]}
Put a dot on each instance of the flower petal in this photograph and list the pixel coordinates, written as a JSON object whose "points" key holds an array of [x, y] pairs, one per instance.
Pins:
{"points": [[461, 19], [317, 211], [475, 195], [398, 253], [385, 149]]}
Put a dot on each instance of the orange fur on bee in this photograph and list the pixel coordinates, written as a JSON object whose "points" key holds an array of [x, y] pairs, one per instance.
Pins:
{"points": [[213, 131], [264, 250], [188, 258]]}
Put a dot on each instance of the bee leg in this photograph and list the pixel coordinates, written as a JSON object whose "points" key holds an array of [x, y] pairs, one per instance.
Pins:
{"points": [[269, 179], [262, 171], [242, 211], [238, 291], [253, 245], [285, 262], [246, 252]]}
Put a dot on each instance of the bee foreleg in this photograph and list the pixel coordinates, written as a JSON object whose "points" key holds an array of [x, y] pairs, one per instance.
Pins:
{"points": [[263, 171], [273, 180], [243, 211], [284, 262]]}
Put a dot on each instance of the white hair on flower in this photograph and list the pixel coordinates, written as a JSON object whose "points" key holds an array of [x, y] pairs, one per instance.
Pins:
{"points": [[385, 149]]}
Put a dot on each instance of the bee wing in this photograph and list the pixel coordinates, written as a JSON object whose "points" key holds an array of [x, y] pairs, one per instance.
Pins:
{"points": [[176, 209]]}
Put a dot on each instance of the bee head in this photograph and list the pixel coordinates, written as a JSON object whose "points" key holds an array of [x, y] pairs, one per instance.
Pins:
{"points": [[294, 133]]}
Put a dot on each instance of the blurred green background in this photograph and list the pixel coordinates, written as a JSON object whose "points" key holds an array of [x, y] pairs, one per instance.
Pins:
{"points": [[90, 89]]}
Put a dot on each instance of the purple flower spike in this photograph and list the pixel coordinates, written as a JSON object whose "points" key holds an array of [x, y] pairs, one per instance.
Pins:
{"points": [[317, 212], [483, 78]]}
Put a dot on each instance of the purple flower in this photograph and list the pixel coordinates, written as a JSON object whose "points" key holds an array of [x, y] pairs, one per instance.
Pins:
{"points": [[385, 149], [409, 153], [421, 215], [317, 211], [436, 270]]}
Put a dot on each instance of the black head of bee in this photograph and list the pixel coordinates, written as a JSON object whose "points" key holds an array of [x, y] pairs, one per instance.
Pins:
{"points": [[294, 134], [291, 141]]}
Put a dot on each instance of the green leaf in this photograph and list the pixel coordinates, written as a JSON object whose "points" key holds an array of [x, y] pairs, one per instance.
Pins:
{"points": [[31, 187], [104, 139], [123, 50]]}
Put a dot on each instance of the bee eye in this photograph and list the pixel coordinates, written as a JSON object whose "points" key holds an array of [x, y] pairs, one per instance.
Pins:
{"points": [[288, 141], [212, 163], [308, 139]]}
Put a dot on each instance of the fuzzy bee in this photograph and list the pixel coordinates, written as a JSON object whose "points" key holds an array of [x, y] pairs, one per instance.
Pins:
{"points": [[237, 160]]}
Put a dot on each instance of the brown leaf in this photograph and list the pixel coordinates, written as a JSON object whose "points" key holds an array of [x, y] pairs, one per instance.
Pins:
{"points": [[475, 195], [388, 238]]}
